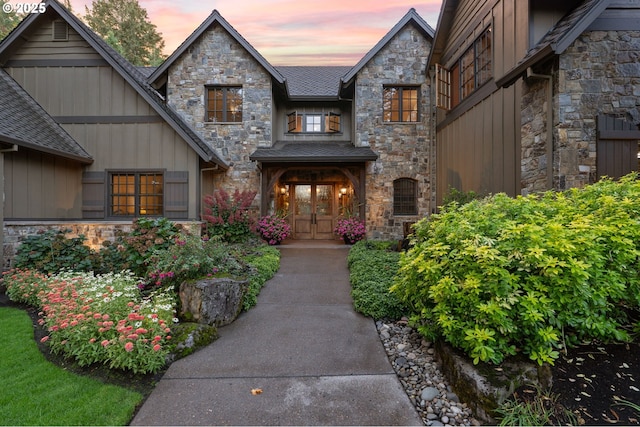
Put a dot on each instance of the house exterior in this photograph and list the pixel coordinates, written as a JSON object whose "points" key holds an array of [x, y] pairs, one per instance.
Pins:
{"points": [[535, 95], [316, 142], [122, 142]]}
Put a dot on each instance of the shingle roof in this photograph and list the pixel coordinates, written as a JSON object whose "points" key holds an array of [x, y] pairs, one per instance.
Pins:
{"points": [[313, 152], [313, 81], [559, 38], [25, 123]]}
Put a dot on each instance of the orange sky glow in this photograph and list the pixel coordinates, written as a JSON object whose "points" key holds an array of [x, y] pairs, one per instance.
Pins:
{"points": [[288, 32]]}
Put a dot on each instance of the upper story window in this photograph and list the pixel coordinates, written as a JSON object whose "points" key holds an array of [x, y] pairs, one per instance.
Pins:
{"points": [[313, 122], [472, 70], [405, 197], [224, 104], [400, 104], [136, 194]]}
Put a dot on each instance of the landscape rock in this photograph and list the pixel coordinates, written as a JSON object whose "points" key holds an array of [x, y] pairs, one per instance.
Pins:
{"points": [[216, 301]]}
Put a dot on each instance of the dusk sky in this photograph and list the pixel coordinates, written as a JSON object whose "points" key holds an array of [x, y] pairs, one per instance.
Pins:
{"points": [[288, 32]]}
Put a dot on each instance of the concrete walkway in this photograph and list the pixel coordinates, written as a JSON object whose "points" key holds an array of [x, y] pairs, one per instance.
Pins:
{"points": [[315, 359]]}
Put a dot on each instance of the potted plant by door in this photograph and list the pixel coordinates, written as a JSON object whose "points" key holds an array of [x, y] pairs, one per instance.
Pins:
{"points": [[351, 229], [273, 229]]}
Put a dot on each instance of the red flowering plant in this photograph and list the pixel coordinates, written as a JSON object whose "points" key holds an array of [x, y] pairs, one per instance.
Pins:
{"points": [[350, 229], [273, 228], [99, 319], [228, 216]]}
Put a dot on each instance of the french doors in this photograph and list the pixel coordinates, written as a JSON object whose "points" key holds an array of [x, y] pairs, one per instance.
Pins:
{"points": [[313, 211]]}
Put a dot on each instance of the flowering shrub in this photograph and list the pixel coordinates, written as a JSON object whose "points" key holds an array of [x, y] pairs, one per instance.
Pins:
{"points": [[190, 257], [351, 229], [228, 217], [131, 251], [99, 319], [273, 229]]}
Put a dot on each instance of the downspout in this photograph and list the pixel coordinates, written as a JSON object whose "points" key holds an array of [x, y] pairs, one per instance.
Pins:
{"points": [[549, 78]]}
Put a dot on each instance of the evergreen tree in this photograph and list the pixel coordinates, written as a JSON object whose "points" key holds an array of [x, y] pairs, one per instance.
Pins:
{"points": [[125, 26], [8, 19]]}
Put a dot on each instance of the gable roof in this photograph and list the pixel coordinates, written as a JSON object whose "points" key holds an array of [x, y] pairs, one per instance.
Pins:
{"points": [[25, 123], [445, 21], [558, 39], [130, 73], [313, 82], [214, 18], [410, 17]]}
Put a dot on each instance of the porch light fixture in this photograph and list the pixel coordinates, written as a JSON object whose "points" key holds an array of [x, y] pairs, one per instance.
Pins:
{"points": [[283, 190]]}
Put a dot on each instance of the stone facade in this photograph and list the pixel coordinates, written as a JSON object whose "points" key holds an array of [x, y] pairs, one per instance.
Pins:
{"points": [[218, 59], [405, 149], [598, 74]]}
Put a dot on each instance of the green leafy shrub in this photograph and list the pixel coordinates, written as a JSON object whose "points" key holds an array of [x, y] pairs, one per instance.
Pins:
{"points": [[131, 251], [99, 319], [502, 275], [264, 261], [51, 251], [372, 267], [459, 197], [229, 217], [191, 257]]}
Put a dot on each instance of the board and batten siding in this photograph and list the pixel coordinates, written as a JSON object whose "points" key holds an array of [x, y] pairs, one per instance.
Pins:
{"points": [[478, 141], [39, 47], [104, 114], [41, 186]]}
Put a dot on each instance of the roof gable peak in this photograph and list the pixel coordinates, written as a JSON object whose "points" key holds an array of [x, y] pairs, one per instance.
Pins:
{"points": [[213, 18], [410, 17]]}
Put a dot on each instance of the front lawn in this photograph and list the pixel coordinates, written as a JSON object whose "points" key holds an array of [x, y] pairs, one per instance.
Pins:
{"points": [[37, 392]]}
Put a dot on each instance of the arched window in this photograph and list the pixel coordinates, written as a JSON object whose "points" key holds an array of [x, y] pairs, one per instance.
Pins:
{"points": [[405, 197]]}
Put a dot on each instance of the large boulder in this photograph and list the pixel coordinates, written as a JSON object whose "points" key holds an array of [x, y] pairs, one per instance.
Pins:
{"points": [[215, 301], [484, 386]]}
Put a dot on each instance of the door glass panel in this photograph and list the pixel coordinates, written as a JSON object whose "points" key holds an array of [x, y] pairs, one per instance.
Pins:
{"points": [[303, 199], [324, 199]]}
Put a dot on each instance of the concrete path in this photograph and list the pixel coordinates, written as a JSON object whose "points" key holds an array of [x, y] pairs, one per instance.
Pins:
{"points": [[315, 359]]}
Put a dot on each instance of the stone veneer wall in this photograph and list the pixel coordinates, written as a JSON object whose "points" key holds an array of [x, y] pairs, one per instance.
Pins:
{"points": [[218, 59], [404, 148], [95, 232], [533, 143], [598, 73]]}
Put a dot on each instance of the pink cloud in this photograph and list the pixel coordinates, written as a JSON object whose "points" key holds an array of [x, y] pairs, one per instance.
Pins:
{"points": [[289, 32]]}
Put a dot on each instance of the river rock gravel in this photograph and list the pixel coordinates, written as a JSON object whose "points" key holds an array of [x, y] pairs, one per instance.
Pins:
{"points": [[413, 359]]}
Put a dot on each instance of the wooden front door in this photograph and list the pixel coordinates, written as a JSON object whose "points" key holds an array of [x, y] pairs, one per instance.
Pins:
{"points": [[313, 211]]}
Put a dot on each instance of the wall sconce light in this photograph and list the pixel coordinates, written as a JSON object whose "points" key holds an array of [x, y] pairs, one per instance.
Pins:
{"points": [[283, 190], [343, 190]]}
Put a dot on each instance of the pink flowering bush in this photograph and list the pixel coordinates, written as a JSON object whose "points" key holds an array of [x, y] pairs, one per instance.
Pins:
{"points": [[273, 229], [99, 319], [351, 229], [227, 216]]}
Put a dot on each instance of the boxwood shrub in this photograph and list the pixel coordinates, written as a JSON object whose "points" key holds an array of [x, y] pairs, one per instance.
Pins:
{"points": [[533, 274], [372, 267]]}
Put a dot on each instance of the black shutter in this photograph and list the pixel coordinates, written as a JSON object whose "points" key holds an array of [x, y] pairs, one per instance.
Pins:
{"points": [[176, 197], [93, 195]]}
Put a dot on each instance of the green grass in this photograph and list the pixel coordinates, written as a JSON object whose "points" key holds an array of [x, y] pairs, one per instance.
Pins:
{"points": [[37, 392]]}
